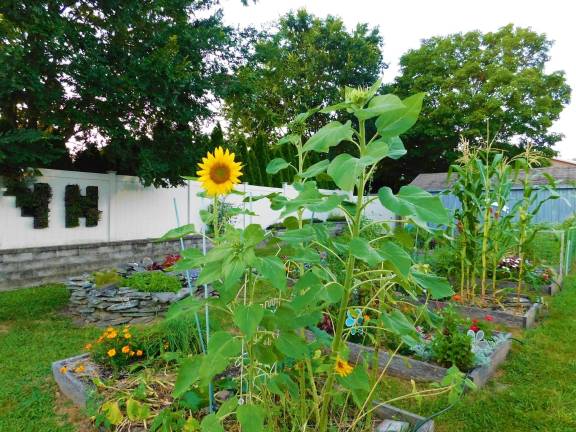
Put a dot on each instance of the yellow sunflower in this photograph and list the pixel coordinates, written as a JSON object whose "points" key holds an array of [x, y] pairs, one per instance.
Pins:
{"points": [[218, 172], [342, 367]]}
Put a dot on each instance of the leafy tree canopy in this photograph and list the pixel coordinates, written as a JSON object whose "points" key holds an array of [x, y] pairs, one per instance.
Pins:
{"points": [[139, 74], [477, 82], [301, 62]]}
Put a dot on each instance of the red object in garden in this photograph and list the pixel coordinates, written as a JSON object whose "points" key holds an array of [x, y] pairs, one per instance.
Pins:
{"points": [[489, 318], [170, 260], [474, 328], [457, 297]]}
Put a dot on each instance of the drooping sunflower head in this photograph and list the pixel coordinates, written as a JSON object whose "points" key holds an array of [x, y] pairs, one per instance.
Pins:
{"points": [[219, 172]]}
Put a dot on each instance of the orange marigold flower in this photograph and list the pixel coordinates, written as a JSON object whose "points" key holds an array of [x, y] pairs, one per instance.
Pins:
{"points": [[342, 367], [100, 339], [111, 352], [139, 353], [112, 335], [80, 368], [457, 297], [88, 346], [132, 353], [127, 335], [125, 349], [110, 329], [63, 369]]}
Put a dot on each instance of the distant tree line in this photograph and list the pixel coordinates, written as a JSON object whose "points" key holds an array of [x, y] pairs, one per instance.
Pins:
{"points": [[140, 85]]}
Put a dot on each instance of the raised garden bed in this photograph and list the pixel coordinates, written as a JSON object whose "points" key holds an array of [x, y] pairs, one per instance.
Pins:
{"points": [[78, 387], [409, 368], [507, 318]]}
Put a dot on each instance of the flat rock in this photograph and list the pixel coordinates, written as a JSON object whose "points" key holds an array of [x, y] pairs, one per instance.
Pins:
{"points": [[166, 297], [122, 306], [142, 320]]}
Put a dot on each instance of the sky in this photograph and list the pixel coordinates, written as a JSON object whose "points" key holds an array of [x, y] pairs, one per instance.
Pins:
{"points": [[404, 23]]}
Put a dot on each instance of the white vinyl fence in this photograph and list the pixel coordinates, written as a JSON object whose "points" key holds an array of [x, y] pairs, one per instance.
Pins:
{"points": [[130, 211]]}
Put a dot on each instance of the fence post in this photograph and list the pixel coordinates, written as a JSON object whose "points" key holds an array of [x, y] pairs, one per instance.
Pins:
{"points": [[112, 186]]}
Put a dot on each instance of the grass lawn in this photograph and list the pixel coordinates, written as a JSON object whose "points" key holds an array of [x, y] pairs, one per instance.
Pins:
{"points": [[535, 391], [33, 334]]}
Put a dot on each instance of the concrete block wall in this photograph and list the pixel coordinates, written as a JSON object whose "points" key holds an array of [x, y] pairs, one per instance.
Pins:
{"points": [[32, 266]]}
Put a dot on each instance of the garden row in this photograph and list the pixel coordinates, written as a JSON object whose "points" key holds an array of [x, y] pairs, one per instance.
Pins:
{"points": [[298, 329]]}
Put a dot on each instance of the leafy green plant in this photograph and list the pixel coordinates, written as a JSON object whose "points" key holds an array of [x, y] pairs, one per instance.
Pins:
{"points": [[453, 349], [293, 376], [33, 203], [116, 348], [104, 278], [154, 281], [78, 206]]}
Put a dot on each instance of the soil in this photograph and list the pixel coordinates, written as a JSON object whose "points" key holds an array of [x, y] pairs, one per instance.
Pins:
{"points": [[72, 414]]}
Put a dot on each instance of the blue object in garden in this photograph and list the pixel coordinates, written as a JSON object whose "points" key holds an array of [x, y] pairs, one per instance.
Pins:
{"points": [[354, 321]]}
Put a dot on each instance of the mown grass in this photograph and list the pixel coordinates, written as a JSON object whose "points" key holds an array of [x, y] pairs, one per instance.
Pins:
{"points": [[535, 390], [33, 334]]}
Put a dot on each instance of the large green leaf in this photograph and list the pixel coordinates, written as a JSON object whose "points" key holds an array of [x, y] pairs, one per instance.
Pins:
{"points": [[210, 273], [221, 348], [361, 249], [397, 257], [273, 270], [177, 233], [344, 170], [291, 345], [247, 318], [187, 375], [411, 201], [211, 423], [276, 165], [328, 136], [251, 417], [397, 323], [190, 305], [358, 382], [253, 234], [317, 168], [396, 122], [380, 105], [112, 411], [281, 384], [438, 287], [299, 235], [137, 411]]}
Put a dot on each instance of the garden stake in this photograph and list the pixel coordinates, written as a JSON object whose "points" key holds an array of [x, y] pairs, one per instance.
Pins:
{"points": [[189, 281], [207, 318]]}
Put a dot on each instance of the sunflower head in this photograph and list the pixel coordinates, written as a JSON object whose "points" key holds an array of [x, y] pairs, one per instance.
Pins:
{"points": [[342, 367], [218, 172]]}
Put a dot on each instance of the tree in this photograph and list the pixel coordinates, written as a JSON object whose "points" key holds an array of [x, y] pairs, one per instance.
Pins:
{"points": [[302, 62], [476, 83], [138, 76]]}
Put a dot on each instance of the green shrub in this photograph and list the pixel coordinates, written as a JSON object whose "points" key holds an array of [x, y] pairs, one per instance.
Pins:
{"points": [[154, 281], [106, 277], [453, 349]]}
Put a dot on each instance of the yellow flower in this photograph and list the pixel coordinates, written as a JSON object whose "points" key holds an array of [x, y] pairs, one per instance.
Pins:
{"points": [[88, 346], [111, 353], [139, 353], [112, 334], [342, 367], [218, 172], [110, 329], [132, 353], [125, 349], [63, 369], [80, 368], [127, 335]]}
